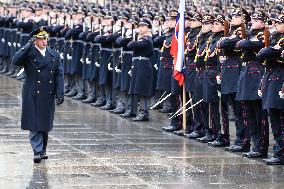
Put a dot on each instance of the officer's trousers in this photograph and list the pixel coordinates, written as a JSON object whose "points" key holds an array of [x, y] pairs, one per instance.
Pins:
{"points": [[257, 123], [277, 127], [38, 140]]}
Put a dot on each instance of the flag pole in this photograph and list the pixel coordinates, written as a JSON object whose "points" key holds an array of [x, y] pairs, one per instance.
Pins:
{"points": [[184, 97], [184, 107]]}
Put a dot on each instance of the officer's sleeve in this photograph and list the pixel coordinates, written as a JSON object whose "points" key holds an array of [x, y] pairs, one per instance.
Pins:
{"points": [[140, 44], [229, 43], [59, 79], [250, 45], [268, 54], [19, 59], [158, 41]]}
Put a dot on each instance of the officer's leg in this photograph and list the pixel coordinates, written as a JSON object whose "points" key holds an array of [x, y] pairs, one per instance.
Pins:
{"points": [[36, 140], [120, 107], [167, 104], [277, 127], [143, 114], [225, 117], [80, 86], [45, 139], [109, 98], [176, 122], [91, 92], [189, 116]]}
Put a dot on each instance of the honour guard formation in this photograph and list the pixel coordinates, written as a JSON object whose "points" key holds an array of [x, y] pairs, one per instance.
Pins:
{"points": [[119, 57]]}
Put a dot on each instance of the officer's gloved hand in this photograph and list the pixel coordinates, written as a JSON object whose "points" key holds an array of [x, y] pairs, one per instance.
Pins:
{"points": [[259, 92], [59, 101], [29, 44]]}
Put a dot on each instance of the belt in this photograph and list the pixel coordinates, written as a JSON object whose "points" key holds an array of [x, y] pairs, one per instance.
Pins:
{"points": [[156, 49], [140, 58], [116, 49], [87, 43], [127, 52], [208, 67], [25, 34], [200, 69], [106, 49], [78, 41], [53, 38]]}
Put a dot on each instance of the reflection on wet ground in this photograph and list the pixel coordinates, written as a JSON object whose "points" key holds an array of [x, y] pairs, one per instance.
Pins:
{"points": [[91, 148]]}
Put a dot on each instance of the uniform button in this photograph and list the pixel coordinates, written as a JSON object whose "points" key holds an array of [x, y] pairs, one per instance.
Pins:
{"points": [[38, 81], [51, 71], [50, 81], [50, 92], [37, 92], [38, 71]]}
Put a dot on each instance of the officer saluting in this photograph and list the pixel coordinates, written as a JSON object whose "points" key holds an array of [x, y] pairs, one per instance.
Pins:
{"points": [[44, 82]]}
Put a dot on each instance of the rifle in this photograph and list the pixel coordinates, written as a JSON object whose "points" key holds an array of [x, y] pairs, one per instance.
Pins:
{"points": [[243, 26], [266, 30], [226, 23]]}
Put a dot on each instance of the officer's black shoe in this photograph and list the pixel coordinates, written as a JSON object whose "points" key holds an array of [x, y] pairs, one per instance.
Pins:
{"points": [[107, 107], [194, 135], [229, 148], [9, 73], [219, 143], [71, 93], [90, 99], [207, 138], [273, 161], [171, 128], [238, 148], [118, 111], [141, 117], [181, 133], [79, 97], [253, 154], [14, 75], [44, 156], [99, 103], [37, 158], [128, 114]]}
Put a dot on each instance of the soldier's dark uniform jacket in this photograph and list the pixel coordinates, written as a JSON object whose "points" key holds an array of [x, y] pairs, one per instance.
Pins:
{"points": [[126, 63], [106, 40], [191, 47], [77, 49], [253, 70], [231, 65], [212, 65], [86, 60], [44, 82], [274, 75], [94, 56], [142, 70], [200, 66], [166, 65]]}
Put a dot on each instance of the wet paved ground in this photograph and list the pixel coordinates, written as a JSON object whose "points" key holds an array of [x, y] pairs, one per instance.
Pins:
{"points": [[90, 148]]}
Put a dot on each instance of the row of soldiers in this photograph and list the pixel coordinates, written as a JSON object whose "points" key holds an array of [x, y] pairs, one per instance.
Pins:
{"points": [[112, 62]]}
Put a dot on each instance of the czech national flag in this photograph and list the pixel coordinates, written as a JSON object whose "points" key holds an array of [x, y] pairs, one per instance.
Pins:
{"points": [[177, 47]]}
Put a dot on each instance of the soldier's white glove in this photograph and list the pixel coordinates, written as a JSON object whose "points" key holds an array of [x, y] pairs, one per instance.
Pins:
{"points": [[219, 93], [218, 78], [81, 60], [88, 61], [117, 70], [3, 40], [109, 67], [97, 64], [156, 66], [69, 57], [9, 44], [15, 44], [281, 94], [61, 55], [129, 73], [259, 93], [19, 45], [128, 33]]}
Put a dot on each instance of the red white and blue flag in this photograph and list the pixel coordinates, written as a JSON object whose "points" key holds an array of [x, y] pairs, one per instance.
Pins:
{"points": [[177, 47]]}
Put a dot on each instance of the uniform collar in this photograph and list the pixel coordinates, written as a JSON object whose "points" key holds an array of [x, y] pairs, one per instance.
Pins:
{"points": [[42, 52]]}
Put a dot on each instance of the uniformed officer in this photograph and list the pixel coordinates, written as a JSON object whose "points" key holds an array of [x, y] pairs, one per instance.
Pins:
{"points": [[44, 82], [271, 85], [248, 85], [229, 76], [142, 70]]}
